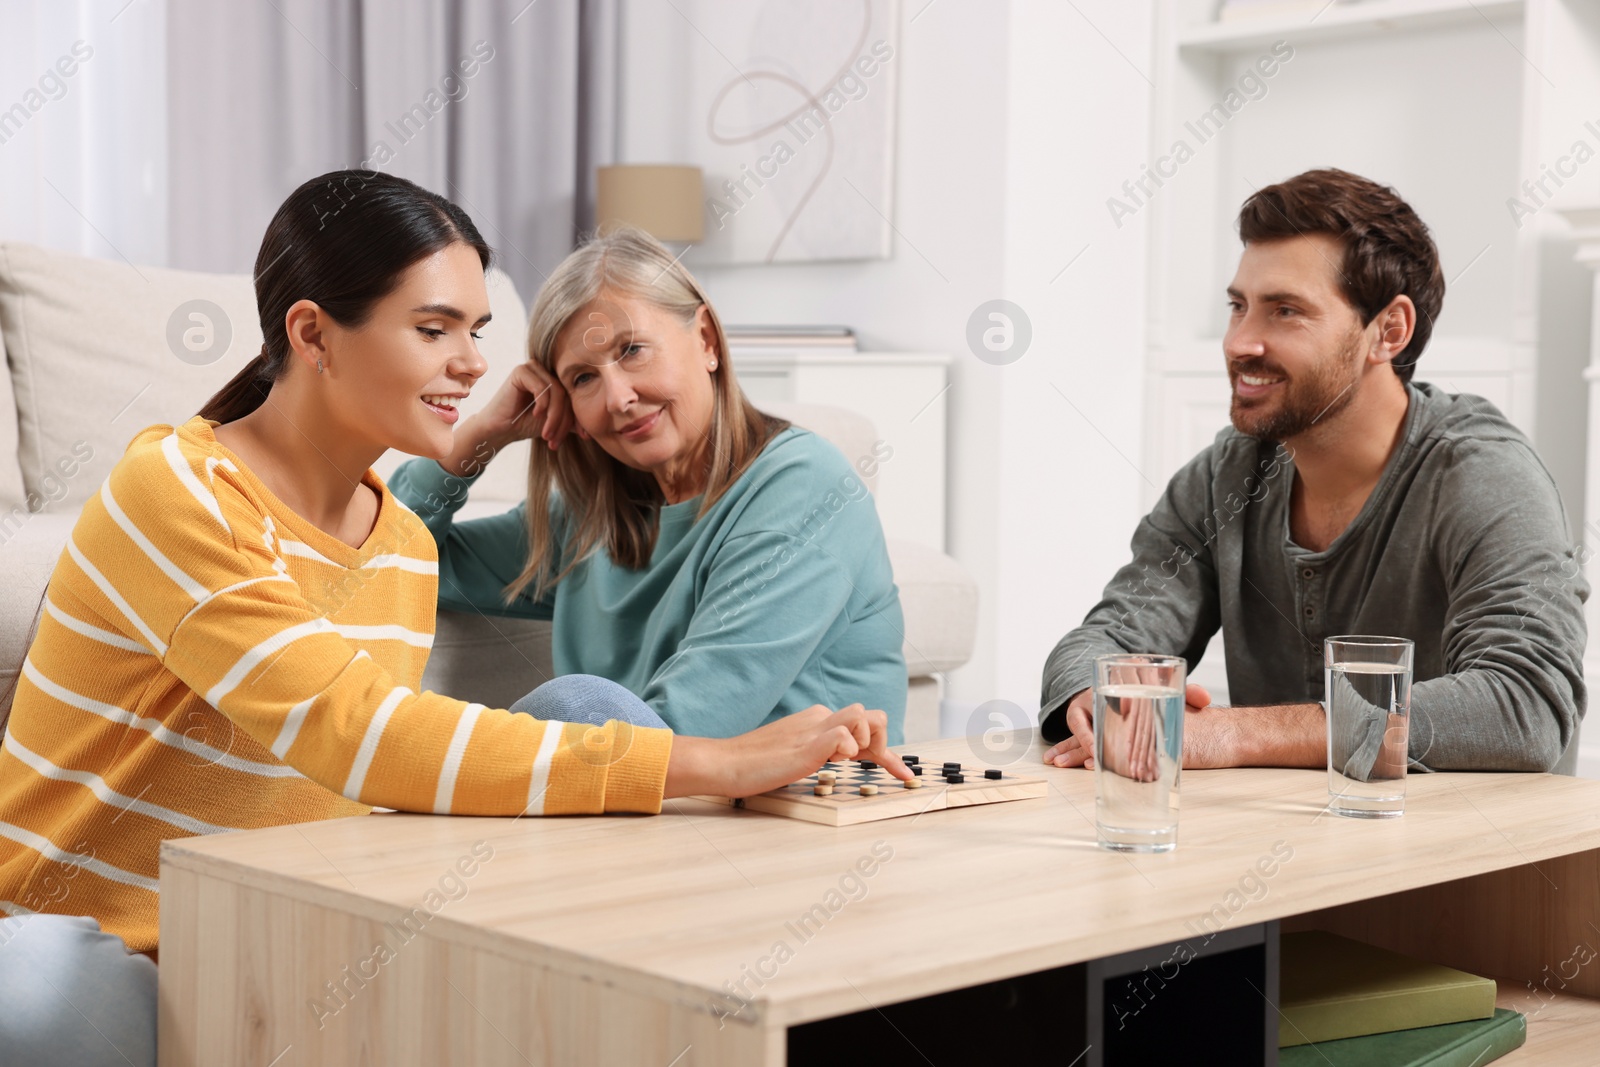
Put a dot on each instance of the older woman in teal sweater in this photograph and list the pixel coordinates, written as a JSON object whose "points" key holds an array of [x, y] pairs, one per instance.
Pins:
{"points": [[726, 567]]}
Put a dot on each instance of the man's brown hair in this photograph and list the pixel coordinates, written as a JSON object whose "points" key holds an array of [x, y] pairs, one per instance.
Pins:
{"points": [[1387, 249]]}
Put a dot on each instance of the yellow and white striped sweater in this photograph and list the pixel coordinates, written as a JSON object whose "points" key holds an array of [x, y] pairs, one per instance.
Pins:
{"points": [[208, 661]]}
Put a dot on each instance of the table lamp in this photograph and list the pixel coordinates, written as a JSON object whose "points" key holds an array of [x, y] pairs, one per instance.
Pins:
{"points": [[664, 200]]}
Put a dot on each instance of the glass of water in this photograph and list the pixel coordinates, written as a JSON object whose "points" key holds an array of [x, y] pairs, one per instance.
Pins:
{"points": [[1138, 750], [1367, 694]]}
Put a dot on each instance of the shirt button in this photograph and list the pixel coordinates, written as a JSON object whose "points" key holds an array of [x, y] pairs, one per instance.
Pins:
{"points": [[1310, 613], [1308, 573]]}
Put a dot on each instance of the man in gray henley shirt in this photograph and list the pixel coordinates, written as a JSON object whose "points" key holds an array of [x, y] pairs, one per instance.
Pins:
{"points": [[1346, 499]]}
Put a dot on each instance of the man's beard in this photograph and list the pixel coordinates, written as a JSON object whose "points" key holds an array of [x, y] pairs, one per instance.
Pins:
{"points": [[1320, 394]]}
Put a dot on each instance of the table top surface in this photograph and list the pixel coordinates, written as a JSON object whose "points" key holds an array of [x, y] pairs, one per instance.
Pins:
{"points": [[704, 895]]}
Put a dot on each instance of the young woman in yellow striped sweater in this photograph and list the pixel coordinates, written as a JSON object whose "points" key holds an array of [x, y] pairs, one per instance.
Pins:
{"points": [[235, 632]]}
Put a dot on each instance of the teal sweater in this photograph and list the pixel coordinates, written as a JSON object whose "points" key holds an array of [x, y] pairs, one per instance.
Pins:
{"points": [[778, 598]]}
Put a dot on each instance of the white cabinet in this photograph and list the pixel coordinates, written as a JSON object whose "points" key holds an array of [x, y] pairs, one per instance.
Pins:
{"points": [[903, 394]]}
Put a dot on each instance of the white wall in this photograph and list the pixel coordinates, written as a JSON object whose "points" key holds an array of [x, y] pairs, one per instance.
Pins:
{"points": [[1069, 465]]}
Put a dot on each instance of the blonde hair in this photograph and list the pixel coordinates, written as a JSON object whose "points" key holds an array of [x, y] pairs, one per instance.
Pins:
{"points": [[609, 503]]}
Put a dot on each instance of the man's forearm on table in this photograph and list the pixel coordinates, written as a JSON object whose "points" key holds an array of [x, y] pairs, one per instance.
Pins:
{"points": [[1276, 735]]}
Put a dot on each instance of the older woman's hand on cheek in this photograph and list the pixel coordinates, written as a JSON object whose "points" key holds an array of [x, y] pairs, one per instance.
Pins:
{"points": [[529, 403], [779, 753], [1078, 750], [546, 410]]}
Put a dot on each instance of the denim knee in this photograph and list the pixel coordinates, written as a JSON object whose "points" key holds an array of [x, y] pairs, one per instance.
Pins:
{"points": [[72, 993], [588, 699]]}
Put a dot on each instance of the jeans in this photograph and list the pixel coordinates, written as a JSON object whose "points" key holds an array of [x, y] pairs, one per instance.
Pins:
{"points": [[587, 699], [72, 995]]}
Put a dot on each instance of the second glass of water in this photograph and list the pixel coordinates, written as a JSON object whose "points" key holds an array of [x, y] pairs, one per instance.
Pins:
{"points": [[1367, 693], [1138, 750]]}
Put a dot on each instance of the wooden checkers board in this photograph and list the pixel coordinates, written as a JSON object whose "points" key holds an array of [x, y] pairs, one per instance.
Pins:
{"points": [[846, 806]]}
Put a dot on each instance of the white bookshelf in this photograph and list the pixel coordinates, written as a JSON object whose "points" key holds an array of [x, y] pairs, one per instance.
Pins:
{"points": [[1454, 103], [1338, 21], [1585, 223]]}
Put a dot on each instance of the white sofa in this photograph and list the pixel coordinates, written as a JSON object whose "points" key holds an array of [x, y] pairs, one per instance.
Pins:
{"points": [[93, 352]]}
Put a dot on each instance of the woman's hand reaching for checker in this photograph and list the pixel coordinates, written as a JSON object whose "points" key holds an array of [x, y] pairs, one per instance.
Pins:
{"points": [[779, 753]]}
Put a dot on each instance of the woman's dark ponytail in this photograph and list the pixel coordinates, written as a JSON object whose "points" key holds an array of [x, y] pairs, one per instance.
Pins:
{"points": [[246, 392], [342, 241]]}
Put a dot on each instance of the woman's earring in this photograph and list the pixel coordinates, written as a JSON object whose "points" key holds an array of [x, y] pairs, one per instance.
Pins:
{"points": [[319, 366], [712, 365]]}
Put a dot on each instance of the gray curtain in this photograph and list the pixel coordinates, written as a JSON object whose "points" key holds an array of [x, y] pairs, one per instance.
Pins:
{"points": [[504, 106]]}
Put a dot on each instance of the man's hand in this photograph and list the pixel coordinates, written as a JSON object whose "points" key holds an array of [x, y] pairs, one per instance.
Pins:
{"points": [[1078, 750], [1392, 754], [1129, 748], [779, 753], [530, 403]]}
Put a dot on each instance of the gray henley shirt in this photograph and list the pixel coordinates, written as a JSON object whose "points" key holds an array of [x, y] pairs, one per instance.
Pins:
{"points": [[1462, 547]]}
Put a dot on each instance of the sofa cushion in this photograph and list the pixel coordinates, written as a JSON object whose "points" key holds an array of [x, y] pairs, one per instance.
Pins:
{"points": [[11, 492], [491, 659], [31, 551], [923, 698], [940, 603], [92, 364]]}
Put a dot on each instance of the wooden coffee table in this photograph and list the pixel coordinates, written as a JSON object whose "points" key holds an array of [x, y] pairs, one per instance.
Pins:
{"points": [[407, 939]]}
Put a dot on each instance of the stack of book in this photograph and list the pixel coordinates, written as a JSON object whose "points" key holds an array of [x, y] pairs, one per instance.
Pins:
{"points": [[790, 339], [1343, 1004]]}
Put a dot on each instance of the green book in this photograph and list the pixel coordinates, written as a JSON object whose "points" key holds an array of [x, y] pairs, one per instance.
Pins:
{"points": [[1469, 1044], [1331, 987]]}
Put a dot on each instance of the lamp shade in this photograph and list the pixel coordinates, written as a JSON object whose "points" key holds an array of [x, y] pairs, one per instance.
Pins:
{"points": [[664, 200]]}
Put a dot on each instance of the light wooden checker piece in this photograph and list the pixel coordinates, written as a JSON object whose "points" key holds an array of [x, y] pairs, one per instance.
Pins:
{"points": [[846, 806]]}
